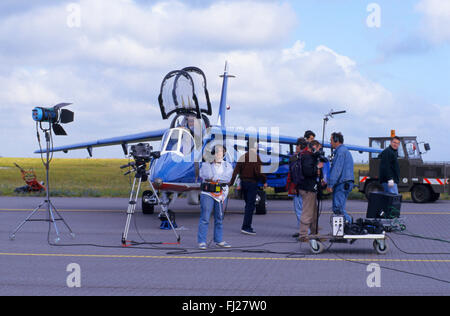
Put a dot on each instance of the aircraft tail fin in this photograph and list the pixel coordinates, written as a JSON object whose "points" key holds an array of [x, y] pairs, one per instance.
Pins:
{"points": [[223, 99]]}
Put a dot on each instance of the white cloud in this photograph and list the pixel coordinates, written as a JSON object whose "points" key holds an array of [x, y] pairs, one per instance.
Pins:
{"points": [[111, 69], [296, 76], [436, 19]]}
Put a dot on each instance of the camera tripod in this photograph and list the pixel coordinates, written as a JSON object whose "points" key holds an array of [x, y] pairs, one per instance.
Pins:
{"points": [[141, 175], [51, 209]]}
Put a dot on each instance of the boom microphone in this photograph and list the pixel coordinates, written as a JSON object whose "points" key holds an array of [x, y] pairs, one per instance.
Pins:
{"points": [[340, 112]]}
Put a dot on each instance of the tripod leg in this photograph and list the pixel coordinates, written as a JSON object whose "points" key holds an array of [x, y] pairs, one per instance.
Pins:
{"points": [[13, 234], [164, 210], [131, 209], [52, 220], [62, 219]]}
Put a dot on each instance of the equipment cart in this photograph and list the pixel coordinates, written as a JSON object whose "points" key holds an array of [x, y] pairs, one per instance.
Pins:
{"points": [[379, 242]]}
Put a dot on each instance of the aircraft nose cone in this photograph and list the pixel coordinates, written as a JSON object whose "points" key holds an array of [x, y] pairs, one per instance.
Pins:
{"points": [[170, 168]]}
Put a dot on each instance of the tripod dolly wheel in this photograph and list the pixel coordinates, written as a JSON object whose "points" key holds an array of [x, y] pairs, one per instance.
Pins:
{"points": [[380, 246], [316, 246]]}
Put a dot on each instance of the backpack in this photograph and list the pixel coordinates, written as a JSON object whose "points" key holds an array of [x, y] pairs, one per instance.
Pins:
{"points": [[296, 170]]}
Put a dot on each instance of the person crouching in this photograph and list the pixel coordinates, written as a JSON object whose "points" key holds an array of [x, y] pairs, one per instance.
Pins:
{"points": [[215, 177]]}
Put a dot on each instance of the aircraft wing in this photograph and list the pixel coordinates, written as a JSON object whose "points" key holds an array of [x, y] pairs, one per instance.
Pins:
{"points": [[121, 140], [280, 139]]}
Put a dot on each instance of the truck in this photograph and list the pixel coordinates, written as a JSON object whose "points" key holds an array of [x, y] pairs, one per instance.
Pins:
{"points": [[425, 181]]}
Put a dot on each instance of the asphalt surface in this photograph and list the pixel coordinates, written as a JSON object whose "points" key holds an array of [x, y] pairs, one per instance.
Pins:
{"points": [[271, 263]]}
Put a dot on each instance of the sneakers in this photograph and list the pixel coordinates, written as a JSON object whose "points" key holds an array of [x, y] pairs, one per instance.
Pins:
{"points": [[223, 244], [248, 231]]}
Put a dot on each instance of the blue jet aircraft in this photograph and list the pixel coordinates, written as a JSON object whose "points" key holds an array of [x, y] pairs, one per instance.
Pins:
{"points": [[190, 138]]}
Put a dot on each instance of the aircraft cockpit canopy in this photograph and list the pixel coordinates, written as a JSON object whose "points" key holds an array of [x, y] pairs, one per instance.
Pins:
{"points": [[179, 141], [185, 92]]}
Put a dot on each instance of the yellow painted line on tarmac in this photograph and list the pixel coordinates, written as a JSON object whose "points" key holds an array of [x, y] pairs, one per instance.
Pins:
{"points": [[229, 212], [216, 258], [364, 213]]}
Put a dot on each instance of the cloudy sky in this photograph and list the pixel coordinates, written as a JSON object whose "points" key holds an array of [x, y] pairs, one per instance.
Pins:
{"points": [[385, 62]]}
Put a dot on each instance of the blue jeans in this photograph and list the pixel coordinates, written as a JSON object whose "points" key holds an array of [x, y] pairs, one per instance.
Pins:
{"points": [[208, 204], [340, 195], [392, 190], [298, 206]]}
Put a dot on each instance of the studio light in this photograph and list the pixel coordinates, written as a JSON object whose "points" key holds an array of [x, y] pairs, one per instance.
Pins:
{"points": [[54, 116]]}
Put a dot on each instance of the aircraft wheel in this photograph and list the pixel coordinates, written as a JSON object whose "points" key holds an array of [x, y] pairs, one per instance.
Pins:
{"points": [[148, 203], [380, 246]]}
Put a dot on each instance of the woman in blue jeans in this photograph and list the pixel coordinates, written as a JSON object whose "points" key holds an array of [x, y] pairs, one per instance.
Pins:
{"points": [[217, 172]]}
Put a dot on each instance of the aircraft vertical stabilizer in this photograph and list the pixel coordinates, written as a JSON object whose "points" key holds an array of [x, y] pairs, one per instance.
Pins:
{"points": [[223, 99]]}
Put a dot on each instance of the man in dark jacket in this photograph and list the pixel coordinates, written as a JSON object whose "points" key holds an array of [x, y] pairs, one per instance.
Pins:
{"points": [[308, 191], [292, 187], [249, 170], [389, 168]]}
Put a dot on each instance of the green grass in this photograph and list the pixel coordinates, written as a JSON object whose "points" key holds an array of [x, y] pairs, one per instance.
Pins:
{"points": [[94, 178], [69, 177]]}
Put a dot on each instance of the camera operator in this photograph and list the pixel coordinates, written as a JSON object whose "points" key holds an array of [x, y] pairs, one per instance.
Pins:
{"points": [[308, 189]]}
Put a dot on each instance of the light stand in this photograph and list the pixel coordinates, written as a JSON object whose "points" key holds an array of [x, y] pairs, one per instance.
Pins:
{"points": [[326, 118], [51, 209]]}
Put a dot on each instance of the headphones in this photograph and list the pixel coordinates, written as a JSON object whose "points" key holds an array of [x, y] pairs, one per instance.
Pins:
{"points": [[337, 138]]}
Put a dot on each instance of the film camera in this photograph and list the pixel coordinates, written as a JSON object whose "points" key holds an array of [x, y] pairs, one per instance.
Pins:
{"points": [[319, 155], [143, 153]]}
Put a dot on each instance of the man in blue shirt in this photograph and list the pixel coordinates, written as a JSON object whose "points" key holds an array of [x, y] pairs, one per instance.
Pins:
{"points": [[341, 180]]}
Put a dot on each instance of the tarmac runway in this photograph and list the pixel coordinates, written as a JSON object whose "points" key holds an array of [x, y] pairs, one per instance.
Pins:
{"points": [[272, 263]]}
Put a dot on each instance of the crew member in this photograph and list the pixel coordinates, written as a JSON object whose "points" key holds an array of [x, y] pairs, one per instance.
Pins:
{"points": [[310, 136], [292, 187], [341, 180], [389, 168], [308, 190], [195, 127], [215, 174], [249, 170]]}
